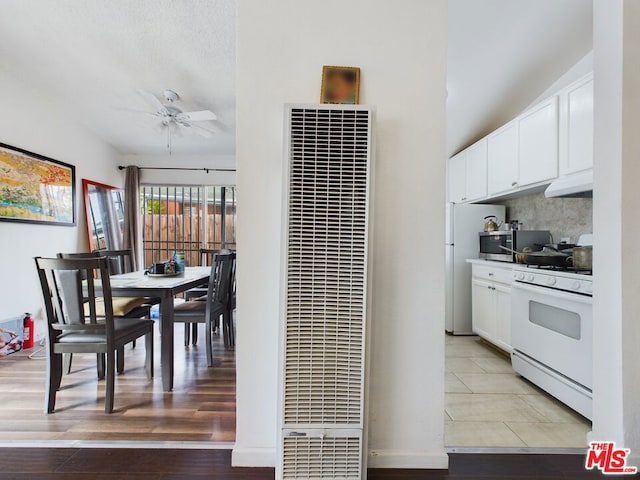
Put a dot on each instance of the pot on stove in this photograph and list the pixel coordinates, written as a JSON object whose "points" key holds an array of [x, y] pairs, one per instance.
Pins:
{"points": [[583, 258]]}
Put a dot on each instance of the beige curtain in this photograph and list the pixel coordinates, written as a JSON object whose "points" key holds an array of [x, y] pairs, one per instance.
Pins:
{"points": [[132, 238]]}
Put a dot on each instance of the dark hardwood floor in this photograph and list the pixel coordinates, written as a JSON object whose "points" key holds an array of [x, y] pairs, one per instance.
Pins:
{"points": [[156, 464]]}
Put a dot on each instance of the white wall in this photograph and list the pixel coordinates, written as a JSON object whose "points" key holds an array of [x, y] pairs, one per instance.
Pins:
{"points": [[581, 68], [401, 48], [184, 177], [33, 121], [631, 230], [616, 381]]}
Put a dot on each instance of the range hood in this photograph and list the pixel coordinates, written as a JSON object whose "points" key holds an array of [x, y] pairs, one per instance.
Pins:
{"points": [[575, 185]]}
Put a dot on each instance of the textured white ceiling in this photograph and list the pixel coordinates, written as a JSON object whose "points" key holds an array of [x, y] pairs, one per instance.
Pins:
{"points": [[503, 54], [95, 54]]}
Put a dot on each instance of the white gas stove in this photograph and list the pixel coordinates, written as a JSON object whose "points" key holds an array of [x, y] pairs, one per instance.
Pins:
{"points": [[551, 332], [566, 280]]}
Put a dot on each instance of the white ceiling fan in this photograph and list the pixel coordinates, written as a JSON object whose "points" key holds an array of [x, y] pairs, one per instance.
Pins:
{"points": [[173, 119]]}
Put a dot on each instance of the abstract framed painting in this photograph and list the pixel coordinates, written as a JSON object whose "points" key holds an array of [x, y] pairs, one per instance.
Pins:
{"points": [[35, 188], [340, 85]]}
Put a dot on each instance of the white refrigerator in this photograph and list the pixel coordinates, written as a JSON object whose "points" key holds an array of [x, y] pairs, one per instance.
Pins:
{"points": [[463, 222]]}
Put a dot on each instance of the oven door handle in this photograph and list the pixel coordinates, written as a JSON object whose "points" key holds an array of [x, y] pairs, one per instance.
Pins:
{"points": [[560, 294]]}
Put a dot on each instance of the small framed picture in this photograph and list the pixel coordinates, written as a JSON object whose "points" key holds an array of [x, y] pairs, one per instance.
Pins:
{"points": [[340, 85]]}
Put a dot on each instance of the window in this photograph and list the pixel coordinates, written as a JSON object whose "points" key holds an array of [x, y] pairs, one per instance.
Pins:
{"points": [[177, 218]]}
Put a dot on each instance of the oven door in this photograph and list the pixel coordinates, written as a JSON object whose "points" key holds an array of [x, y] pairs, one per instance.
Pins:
{"points": [[554, 328]]}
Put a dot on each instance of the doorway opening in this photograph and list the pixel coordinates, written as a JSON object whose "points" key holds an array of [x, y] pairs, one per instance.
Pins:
{"points": [[202, 405]]}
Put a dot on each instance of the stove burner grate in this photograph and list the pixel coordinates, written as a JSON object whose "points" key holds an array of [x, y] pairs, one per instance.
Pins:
{"points": [[554, 268]]}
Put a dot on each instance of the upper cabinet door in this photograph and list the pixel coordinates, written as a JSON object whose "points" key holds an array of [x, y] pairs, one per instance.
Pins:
{"points": [[457, 177], [502, 159], [477, 170], [539, 143], [576, 127]]}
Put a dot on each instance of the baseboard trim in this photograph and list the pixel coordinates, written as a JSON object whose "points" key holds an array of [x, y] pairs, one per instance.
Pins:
{"points": [[408, 459], [517, 450], [253, 457]]}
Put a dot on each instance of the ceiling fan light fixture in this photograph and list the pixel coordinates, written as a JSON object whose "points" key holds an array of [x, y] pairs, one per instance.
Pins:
{"points": [[172, 111], [174, 118], [170, 96]]}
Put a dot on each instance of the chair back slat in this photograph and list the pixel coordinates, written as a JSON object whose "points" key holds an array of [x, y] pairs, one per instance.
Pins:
{"points": [[54, 307], [91, 297], [69, 299], [224, 283], [220, 278], [232, 292]]}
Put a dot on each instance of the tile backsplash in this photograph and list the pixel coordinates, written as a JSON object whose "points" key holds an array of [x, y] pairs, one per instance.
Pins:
{"points": [[564, 217]]}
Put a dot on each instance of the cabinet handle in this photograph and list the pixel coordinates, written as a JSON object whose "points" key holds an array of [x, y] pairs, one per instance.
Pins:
{"points": [[490, 274], [464, 198], [513, 184]]}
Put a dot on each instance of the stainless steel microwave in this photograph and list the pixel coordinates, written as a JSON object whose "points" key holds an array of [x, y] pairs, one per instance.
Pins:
{"points": [[498, 245]]}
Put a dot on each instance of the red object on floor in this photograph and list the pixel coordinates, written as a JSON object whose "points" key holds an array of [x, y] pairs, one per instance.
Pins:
{"points": [[28, 332]]}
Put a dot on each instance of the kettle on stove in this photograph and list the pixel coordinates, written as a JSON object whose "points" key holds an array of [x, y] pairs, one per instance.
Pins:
{"points": [[491, 223]]}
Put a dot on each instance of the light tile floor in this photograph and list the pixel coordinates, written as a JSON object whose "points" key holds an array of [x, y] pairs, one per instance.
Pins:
{"points": [[488, 405]]}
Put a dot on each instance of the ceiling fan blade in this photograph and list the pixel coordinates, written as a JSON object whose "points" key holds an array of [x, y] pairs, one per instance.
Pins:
{"points": [[203, 132], [131, 110], [153, 101], [199, 116]]}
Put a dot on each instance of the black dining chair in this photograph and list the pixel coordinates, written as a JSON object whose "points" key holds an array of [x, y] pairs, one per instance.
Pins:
{"points": [[231, 306], [119, 261], [207, 256], [215, 306], [69, 290]]}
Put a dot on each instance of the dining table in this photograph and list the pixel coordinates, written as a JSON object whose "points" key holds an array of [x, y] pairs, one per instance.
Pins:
{"points": [[165, 288]]}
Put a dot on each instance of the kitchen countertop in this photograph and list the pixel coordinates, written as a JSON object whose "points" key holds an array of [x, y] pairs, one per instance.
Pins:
{"points": [[490, 263]]}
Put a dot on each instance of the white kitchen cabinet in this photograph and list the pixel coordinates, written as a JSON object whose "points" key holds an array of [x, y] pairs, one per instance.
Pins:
{"points": [[467, 173], [538, 143], [553, 138], [476, 170], [502, 159], [576, 126], [491, 303], [503, 316], [457, 177], [483, 308]]}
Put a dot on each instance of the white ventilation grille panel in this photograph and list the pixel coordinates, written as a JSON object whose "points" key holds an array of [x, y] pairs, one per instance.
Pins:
{"points": [[326, 280], [322, 458]]}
